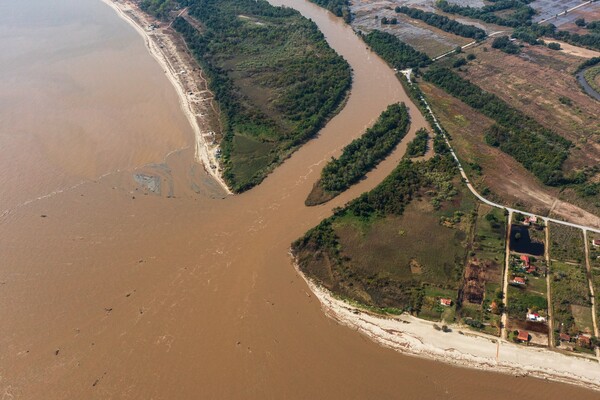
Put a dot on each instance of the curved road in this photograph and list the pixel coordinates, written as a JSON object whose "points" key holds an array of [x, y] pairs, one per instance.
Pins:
{"points": [[407, 74], [586, 86]]}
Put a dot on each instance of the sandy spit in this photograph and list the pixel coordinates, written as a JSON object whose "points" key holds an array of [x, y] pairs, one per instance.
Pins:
{"points": [[417, 337], [205, 152]]}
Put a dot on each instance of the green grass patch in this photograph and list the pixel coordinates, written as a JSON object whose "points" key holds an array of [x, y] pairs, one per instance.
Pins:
{"points": [[566, 243], [569, 288]]}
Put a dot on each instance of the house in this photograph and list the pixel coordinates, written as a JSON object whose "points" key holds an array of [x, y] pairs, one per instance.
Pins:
{"points": [[584, 341], [446, 302], [525, 259], [564, 337], [596, 242], [531, 270], [535, 317], [530, 220], [523, 336], [517, 280]]}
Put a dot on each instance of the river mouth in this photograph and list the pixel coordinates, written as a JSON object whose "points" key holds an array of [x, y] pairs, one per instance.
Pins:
{"points": [[117, 292]]}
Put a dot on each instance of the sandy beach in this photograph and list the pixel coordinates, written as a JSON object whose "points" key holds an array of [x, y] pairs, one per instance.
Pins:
{"points": [[460, 347], [185, 76]]}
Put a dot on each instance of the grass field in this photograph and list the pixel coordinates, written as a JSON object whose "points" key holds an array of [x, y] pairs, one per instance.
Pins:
{"points": [[566, 243], [570, 298]]}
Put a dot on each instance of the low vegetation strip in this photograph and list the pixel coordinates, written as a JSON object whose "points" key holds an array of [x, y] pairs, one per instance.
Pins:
{"points": [[341, 8], [444, 23], [591, 77], [395, 52], [362, 155], [514, 12], [538, 149], [274, 76]]}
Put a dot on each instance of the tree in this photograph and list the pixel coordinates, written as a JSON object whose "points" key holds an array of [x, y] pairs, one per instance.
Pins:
{"points": [[554, 46], [458, 50], [580, 22], [517, 235]]}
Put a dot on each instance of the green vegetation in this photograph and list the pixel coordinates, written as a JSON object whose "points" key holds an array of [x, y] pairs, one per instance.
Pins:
{"points": [[275, 78], [504, 44], [554, 46], [590, 77], [395, 52], [570, 293], [566, 243], [341, 8], [520, 300], [159, 8], [521, 12], [362, 154], [482, 295], [444, 23], [418, 146], [402, 245], [538, 149]]}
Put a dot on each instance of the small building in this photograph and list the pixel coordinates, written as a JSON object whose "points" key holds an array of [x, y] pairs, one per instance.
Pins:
{"points": [[523, 336], [517, 280], [525, 260], [531, 270], [596, 242], [446, 302], [535, 317], [584, 341], [564, 337]]}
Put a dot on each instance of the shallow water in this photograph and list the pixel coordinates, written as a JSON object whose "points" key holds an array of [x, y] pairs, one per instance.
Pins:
{"points": [[120, 294]]}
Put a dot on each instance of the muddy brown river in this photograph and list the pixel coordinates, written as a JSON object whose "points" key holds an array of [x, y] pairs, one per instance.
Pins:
{"points": [[107, 291]]}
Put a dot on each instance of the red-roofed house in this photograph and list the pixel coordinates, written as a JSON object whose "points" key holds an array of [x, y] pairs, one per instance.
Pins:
{"points": [[564, 337], [584, 341], [517, 280], [523, 336], [525, 260], [596, 242], [446, 302]]}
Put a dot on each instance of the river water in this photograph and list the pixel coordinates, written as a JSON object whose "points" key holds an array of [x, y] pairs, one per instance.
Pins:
{"points": [[119, 294]]}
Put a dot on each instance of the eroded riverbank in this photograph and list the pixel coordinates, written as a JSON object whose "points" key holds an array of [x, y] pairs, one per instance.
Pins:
{"points": [[119, 294]]}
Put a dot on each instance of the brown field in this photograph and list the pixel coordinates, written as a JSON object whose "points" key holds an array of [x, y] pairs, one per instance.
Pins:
{"points": [[524, 82], [418, 34], [507, 180]]}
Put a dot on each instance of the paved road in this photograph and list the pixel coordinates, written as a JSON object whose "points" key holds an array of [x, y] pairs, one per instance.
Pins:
{"points": [[586, 86], [408, 74]]}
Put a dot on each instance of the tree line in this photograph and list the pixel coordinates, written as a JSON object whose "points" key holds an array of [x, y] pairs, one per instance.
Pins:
{"points": [[395, 52], [520, 15], [444, 23], [537, 148], [341, 8]]}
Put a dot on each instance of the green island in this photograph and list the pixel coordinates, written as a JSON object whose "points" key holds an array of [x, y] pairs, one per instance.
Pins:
{"points": [[275, 79], [361, 155]]}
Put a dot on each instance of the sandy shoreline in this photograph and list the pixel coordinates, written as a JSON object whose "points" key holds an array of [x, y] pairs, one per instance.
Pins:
{"points": [[191, 102], [417, 337]]}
